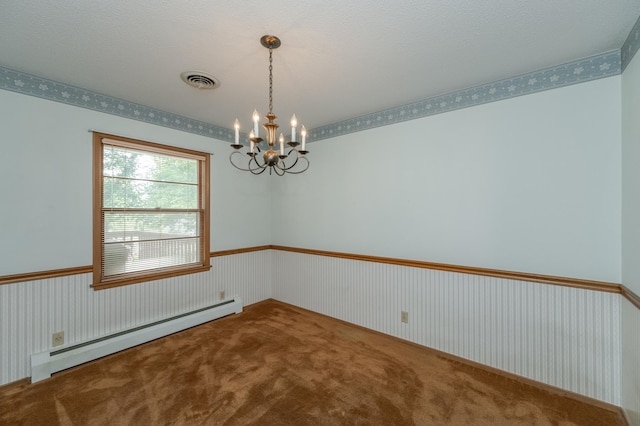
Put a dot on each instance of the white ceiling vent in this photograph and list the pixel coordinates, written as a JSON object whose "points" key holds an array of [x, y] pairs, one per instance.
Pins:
{"points": [[200, 80]]}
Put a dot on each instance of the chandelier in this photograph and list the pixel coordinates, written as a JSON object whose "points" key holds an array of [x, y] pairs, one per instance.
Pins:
{"points": [[294, 160]]}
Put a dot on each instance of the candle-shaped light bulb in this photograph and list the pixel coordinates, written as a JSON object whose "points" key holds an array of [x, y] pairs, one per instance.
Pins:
{"points": [[294, 123], [236, 125], [304, 137], [281, 144], [256, 119], [251, 136]]}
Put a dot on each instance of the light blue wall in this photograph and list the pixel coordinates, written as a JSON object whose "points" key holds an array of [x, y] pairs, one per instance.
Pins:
{"points": [[631, 175], [46, 184], [631, 237], [527, 184]]}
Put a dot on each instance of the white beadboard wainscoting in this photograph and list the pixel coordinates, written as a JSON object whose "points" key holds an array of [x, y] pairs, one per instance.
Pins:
{"points": [[562, 336], [630, 362], [31, 311]]}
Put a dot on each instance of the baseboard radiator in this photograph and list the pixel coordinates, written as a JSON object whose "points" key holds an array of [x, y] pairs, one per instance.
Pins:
{"points": [[44, 364]]}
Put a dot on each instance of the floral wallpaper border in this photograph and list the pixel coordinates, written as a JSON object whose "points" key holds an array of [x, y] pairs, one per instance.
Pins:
{"points": [[48, 89], [631, 45], [600, 66]]}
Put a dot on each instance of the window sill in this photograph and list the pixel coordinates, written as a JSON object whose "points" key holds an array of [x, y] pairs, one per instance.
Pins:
{"points": [[148, 277]]}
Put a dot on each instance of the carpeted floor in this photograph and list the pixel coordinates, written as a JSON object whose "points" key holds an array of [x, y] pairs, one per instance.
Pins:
{"points": [[275, 364]]}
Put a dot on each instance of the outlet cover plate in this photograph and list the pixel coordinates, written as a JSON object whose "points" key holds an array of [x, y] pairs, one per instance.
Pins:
{"points": [[57, 338]]}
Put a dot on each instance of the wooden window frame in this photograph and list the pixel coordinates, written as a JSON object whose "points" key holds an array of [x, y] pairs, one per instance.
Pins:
{"points": [[99, 282]]}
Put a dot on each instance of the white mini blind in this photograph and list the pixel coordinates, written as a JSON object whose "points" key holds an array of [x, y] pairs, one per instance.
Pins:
{"points": [[151, 215]]}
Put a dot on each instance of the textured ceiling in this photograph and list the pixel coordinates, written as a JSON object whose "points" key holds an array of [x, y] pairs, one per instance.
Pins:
{"points": [[338, 59]]}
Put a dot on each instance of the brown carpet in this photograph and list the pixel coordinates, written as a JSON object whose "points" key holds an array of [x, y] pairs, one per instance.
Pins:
{"points": [[275, 364]]}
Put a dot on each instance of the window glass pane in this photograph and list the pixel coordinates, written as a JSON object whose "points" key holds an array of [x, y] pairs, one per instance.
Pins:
{"points": [[173, 169], [135, 242], [129, 226], [125, 193], [118, 193], [137, 256], [119, 162], [132, 164]]}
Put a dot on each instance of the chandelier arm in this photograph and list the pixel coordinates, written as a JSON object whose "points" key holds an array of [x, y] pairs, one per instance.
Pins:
{"points": [[297, 172], [234, 164], [260, 168], [258, 171], [289, 169], [278, 171], [284, 165]]}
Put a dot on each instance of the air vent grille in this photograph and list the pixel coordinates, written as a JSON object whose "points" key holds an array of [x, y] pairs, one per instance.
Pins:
{"points": [[199, 80]]}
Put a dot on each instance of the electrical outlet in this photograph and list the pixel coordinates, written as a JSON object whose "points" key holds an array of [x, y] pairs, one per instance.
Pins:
{"points": [[221, 295], [404, 316], [57, 339]]}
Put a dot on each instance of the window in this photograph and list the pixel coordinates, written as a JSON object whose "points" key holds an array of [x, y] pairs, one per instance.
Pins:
{"points": [[150, 211]]}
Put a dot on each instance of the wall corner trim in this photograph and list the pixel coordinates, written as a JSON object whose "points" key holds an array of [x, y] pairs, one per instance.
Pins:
{"points": [[630, 296], [630, 46]]}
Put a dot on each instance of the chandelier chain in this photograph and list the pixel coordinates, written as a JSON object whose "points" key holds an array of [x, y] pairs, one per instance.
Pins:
{"points": [[270, 81]]}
